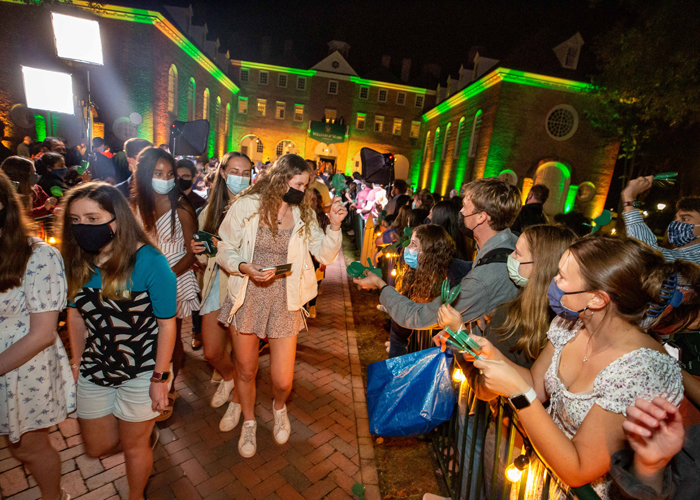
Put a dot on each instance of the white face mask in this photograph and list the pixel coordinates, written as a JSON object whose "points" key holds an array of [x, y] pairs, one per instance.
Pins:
{"points": [[162, 186], [236, 183], [514, 271]]}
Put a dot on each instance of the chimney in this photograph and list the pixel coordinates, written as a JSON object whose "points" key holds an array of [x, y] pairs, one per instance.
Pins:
{"points": [[339, 46], [265, 48], [386, 61], [405, 70], [288, 49]]}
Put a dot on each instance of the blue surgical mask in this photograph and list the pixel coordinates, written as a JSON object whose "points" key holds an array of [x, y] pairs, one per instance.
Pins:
{"points": [[413, 206], [680, 233], [60, 172], [555, 294], [236, 183], [514, 271], [411, 258], [161, 186]]}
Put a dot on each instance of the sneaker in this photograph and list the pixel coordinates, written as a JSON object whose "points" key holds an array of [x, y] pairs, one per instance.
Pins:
{"points": [[312, 312], [64, 495], [381, 308], [247, 445], [282, 428], [231, 417], [222, 393]]}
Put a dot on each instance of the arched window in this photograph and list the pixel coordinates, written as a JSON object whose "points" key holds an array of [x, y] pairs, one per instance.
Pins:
{"points": [[458, 139], [227, 125], [444, 141], [172, 90], [279, 150], [474, 139], [191, 96], [260, 146], [217, 125], [435, 142], [205, 105], [425, 147]]}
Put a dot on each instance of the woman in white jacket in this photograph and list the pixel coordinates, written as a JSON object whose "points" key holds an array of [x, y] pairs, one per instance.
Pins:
{"points": [[271, 224]]}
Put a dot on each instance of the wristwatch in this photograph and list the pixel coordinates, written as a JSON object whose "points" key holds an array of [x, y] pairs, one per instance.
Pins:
{"points": [[633, 203], [160, 376], [522, 401]]}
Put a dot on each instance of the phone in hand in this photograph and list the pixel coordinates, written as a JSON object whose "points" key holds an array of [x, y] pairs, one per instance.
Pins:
{"points": [[207, 239], [281, 269]]}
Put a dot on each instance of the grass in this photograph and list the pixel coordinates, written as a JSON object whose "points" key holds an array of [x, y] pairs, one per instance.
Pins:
{"points": [[407, 467]]}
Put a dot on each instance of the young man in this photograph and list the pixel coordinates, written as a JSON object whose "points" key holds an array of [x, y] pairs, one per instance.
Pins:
{"points": [[101, 166], [132, 148], [683, 232], [186, 173], [400, 187], [489, 207], [24, 148], [531, 212]]}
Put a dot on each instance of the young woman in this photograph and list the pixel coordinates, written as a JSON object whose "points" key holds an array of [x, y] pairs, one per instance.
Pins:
{"points": [[323, 222], [37, 390], [272, 224], [232, 177], [597, 362], [446, 214], [169, 219], [55, 166], [121, 323], [35, 200]]}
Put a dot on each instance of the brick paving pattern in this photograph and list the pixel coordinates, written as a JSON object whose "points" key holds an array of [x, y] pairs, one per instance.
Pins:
{"points": [[330, 448]]}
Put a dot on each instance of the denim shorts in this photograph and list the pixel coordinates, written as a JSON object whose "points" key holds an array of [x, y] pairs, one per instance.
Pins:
{"points": [[129, 401]]}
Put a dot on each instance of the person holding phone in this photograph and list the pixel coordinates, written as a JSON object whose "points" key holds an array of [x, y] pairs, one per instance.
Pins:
{"points": [[272, 223], [232, 177], [122, 328]]}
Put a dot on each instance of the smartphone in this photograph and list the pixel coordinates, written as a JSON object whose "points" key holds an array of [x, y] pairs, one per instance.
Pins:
{"points": [[281, 269], [208, 240]]}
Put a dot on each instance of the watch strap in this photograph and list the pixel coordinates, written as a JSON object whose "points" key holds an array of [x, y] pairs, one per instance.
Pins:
{"points": [[633, 203], [522, 401], [160, 376]]}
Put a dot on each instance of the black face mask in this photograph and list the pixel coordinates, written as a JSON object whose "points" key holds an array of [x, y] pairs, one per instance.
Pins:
{"points": [[293, 196], [33, 179], [3, 216], [93, 237], [184, 184], [469, 233]]}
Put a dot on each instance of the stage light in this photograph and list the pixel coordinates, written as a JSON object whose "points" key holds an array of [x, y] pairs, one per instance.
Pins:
{"points": [[77, 39], [48, 90]]}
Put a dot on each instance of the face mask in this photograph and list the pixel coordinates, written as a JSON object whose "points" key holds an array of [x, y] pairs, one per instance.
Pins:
{"points": [[513, 271], [293, 196], [3, 216], [162, 186], [469, 233], [413, 206], [184, 184], [411, 258], [60, 172], [33, 179], [555, 294], [680, 233], [92, 237], [236, 183]]}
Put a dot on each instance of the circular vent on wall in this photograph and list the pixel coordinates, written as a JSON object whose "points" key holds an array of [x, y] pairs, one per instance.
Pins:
{"points": [[562, 122]]}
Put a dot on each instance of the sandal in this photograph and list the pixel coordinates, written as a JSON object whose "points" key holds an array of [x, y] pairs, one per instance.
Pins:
{"points": [[168, 411]]}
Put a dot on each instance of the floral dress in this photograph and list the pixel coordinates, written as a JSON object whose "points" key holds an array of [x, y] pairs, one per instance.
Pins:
{"points": [[41, 392], [643, 373]]}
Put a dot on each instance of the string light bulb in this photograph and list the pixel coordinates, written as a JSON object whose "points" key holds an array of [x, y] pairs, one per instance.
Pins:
{"points": [[513, 474], [52, 240], [661, 206], [393, 272], [458, 375]]}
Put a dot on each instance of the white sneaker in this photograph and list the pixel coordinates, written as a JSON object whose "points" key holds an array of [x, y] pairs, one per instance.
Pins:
{"points": [[222, 393], [282, 428], [247, 445], [231, 417]]}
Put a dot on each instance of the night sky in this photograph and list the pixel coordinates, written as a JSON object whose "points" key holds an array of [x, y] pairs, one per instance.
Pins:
{"points": [[426, 31]]}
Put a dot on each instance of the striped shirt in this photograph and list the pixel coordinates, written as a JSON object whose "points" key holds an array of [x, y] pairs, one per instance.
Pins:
{"points": [[636, 228]]}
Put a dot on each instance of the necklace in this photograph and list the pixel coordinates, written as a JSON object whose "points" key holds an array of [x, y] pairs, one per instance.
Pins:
{"points": [[585, 358], [279, 219]]}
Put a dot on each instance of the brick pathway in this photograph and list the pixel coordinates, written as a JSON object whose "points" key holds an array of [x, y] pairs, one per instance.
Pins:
{"points": [[330, 448]]}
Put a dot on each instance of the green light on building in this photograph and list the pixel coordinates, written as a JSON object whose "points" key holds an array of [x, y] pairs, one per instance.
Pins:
{"points": [[570, 199], [40, 127]]}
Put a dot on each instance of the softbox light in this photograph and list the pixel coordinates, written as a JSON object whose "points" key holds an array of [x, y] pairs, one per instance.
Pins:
{"points": [[48, 90], [77, 39], [377, 168], [189, 138]]}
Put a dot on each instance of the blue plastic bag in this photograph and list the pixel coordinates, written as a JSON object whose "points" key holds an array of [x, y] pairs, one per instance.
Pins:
{"points": [[411, 394]]}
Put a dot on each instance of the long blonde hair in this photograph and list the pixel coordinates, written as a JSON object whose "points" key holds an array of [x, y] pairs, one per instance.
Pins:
{"points": [[272, 186], [530, 309]]}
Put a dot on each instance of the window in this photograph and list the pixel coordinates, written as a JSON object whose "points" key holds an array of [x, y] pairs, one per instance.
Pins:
{"points": [[571, 57], [172, 90], [226, 124], [397, 126], [330, 115], [401, 98], [364, 92], [474, 139], [458, 139], [360, 122], [379, 123], [420, 99], [435, 142], [333, 87], [282, 80], [263, 77], [383, 93], [217, 123], [262, 104], [298, 112], [205, 105], [443, 155], [242, 105], [191, 97], [259, 148], [415, 129], [301, 83], [279, 113], [245, 75], [279, 150], [561, 122], [425, 146]]}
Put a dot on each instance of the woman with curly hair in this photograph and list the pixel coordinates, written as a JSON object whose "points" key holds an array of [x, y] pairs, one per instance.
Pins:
{"points": [[271, 224]]}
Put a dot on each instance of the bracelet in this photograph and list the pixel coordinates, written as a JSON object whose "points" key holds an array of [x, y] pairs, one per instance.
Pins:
{"points": [[633, 203], [239, 267]]}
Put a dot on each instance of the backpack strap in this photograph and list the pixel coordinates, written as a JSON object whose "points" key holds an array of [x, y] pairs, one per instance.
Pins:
{"points": [[497, 255]]}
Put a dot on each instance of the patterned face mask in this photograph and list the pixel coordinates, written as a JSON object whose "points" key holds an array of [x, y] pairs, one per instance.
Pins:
{"points": [[680, 233]]}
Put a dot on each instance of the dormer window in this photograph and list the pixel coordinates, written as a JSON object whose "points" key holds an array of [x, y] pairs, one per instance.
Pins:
{"points": [[571, 57], [568, 51]]}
